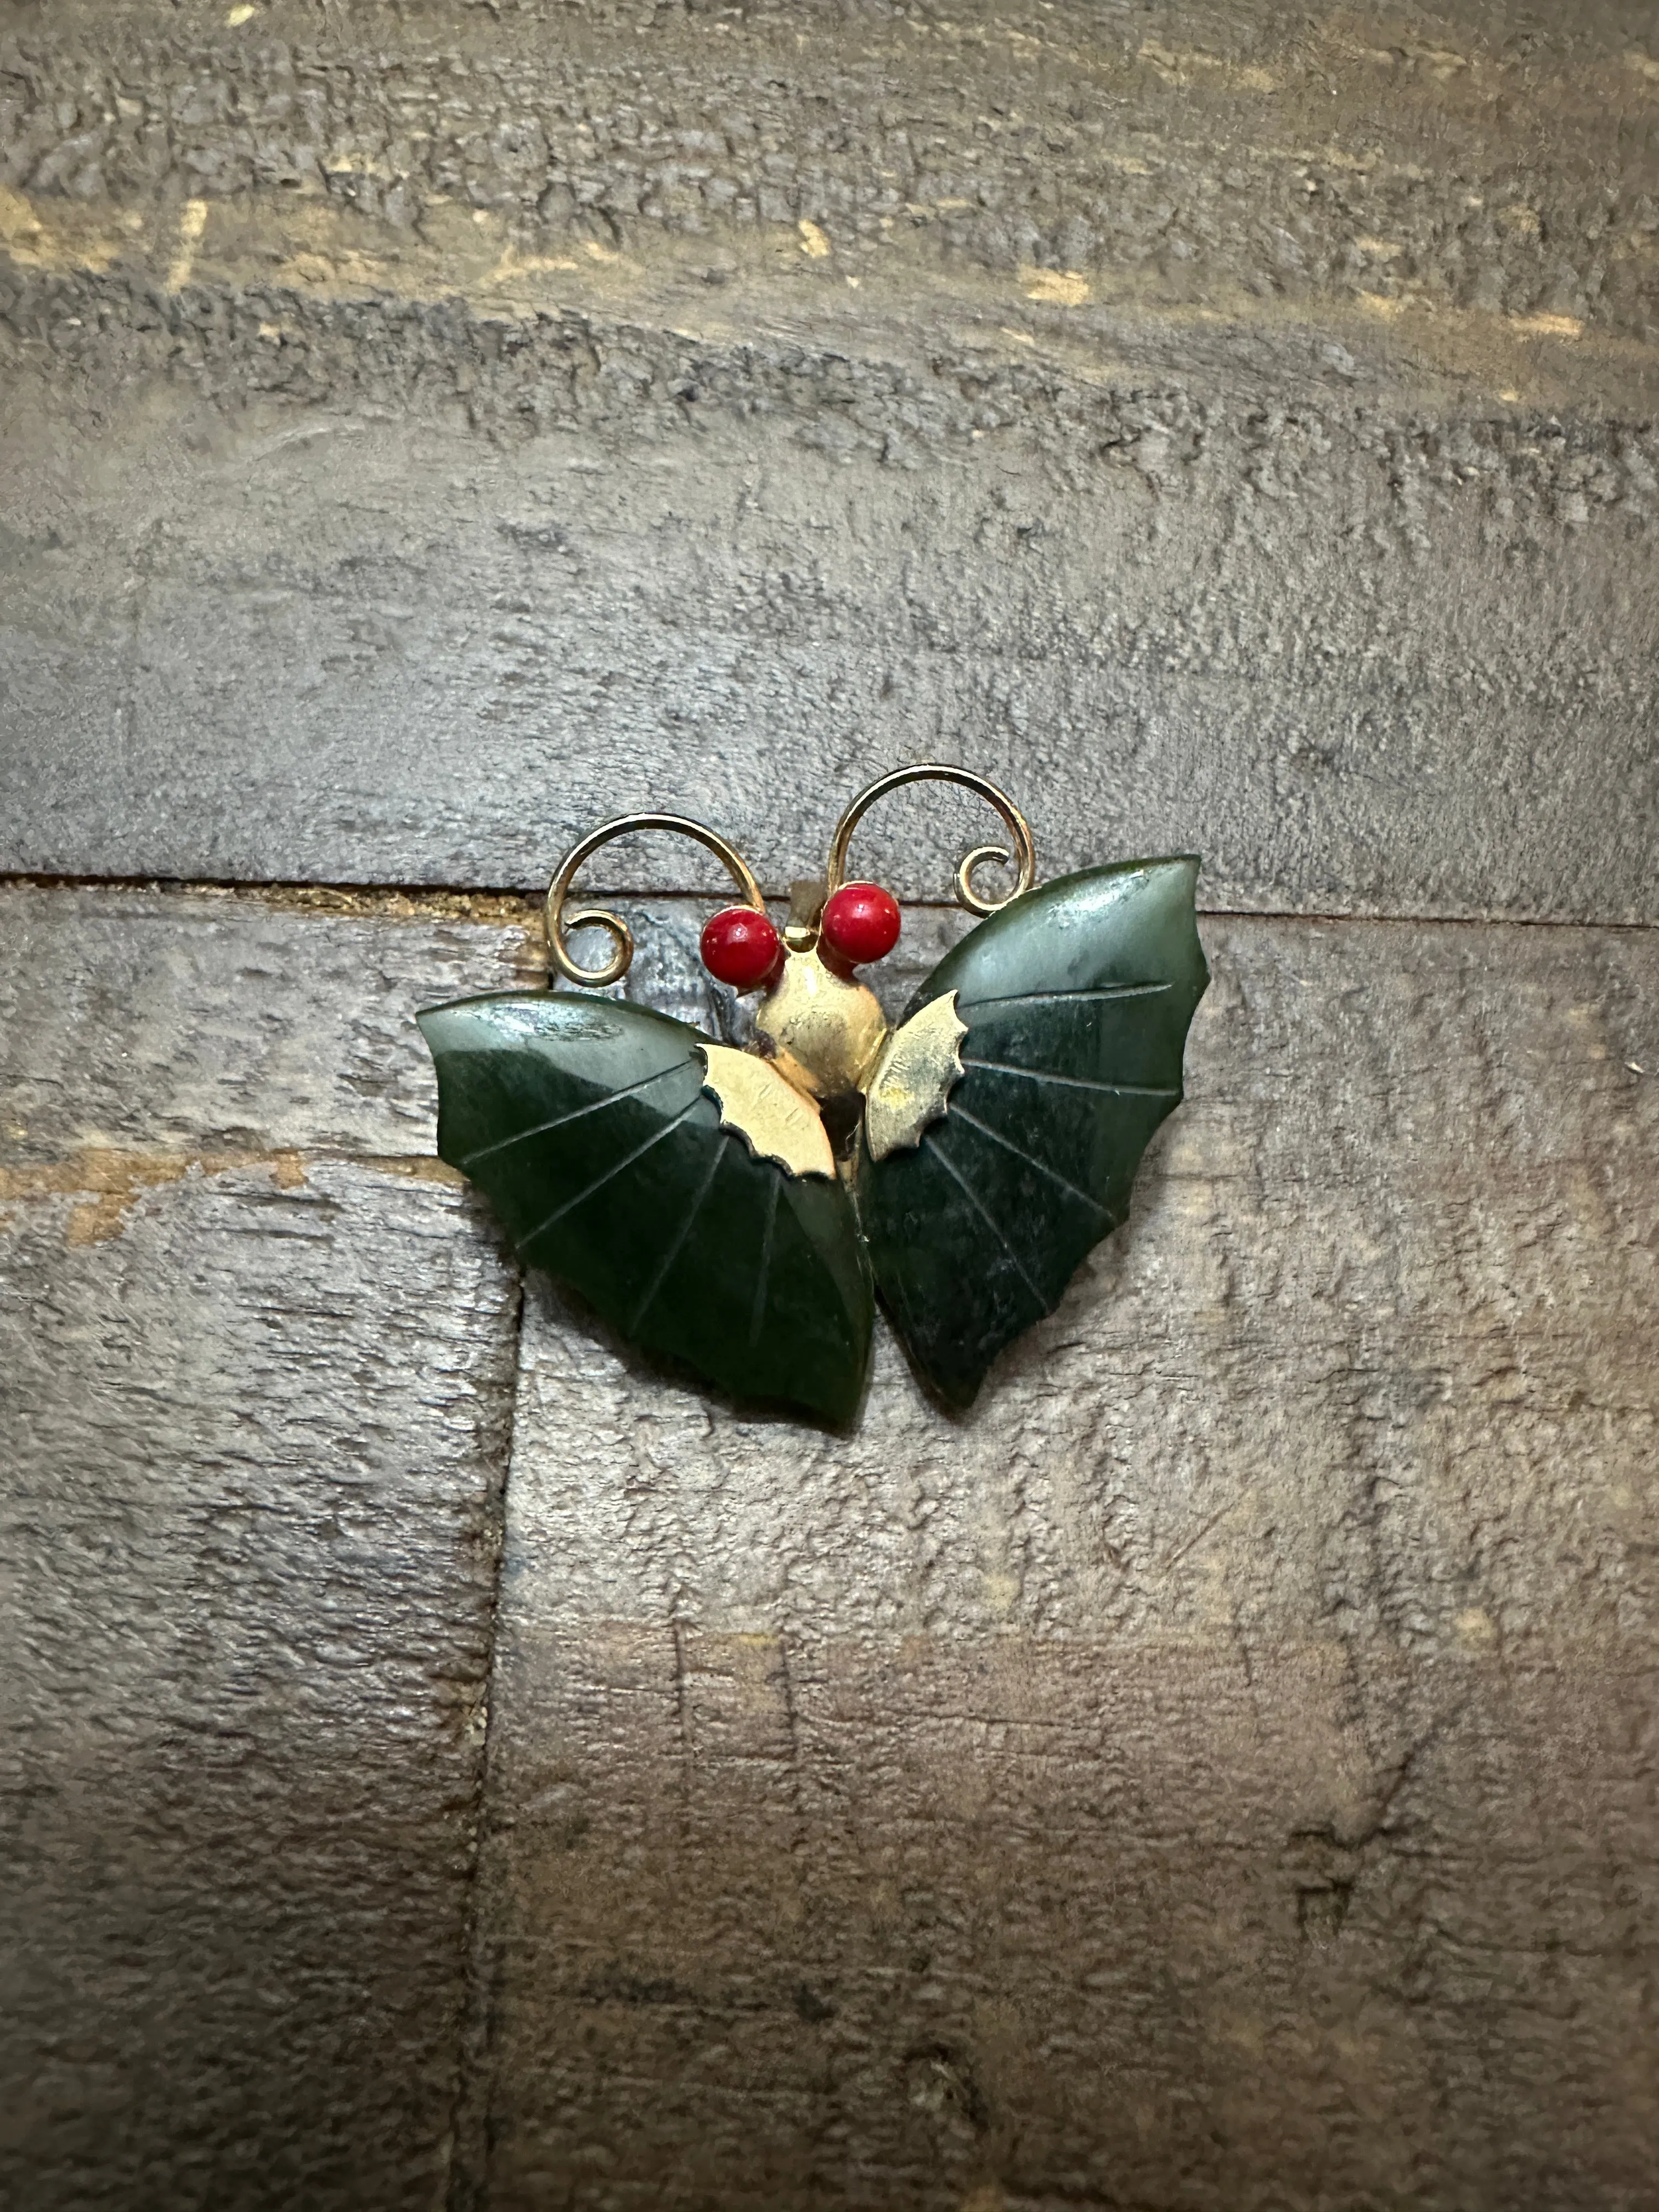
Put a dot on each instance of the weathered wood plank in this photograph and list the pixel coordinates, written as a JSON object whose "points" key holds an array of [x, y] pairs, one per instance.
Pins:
{"points": [[1219, 1774], [363, 524], [1215, 1772], [343, 659], [256, 1373], [1459, 156], [159, 1021]]}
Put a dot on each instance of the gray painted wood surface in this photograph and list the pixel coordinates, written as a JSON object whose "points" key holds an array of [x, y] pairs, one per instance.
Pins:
{"points": [[1215, 1773], [256, 1379], [1219, 1773], [434, 431]]}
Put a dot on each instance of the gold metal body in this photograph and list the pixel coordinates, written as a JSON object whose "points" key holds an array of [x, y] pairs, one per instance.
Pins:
{"points": [[826, 1032], [912, 1078]]}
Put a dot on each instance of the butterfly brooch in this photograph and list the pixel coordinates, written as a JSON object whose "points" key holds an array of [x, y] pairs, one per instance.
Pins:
{"points": [[739, 1210]]}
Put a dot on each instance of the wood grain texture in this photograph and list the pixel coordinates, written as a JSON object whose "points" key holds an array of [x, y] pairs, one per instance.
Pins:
{"points": [[1193, 148], [256, 1374], [429, 433], [1219, 1775], [1215, 1772]]}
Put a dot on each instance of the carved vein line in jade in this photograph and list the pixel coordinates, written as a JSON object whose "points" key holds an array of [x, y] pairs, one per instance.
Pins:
{"points": [[995, 1228], [1072, 1082], [673, 1252], [961, 1114], [759, 1313], [594, 1106], [1062, 998], [599, 1181]]}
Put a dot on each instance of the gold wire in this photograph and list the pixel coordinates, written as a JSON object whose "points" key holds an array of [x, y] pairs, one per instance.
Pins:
{"points": [[613, 969], [935, 771]]}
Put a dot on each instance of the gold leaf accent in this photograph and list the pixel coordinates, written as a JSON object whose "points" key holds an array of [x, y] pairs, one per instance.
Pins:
{"points": [[777, 1121], [913, 1077]]}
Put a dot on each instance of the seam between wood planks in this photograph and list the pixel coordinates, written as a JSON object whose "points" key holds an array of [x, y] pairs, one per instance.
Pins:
{"points": [[466, 2142], [516, 907]]}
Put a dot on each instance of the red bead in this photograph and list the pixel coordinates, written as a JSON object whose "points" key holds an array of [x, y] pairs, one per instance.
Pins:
{"points": [[740, 946], [861, 923]]}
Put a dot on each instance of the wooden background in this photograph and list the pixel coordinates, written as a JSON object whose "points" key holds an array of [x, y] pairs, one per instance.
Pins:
{"points": [[445, 1764]]}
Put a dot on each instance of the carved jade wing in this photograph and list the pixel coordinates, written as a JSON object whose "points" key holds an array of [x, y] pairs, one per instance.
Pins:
{"points": [[739, 1212]]}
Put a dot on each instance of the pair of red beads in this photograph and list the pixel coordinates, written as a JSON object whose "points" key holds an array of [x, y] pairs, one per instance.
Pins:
{"points": [[741, 945]]}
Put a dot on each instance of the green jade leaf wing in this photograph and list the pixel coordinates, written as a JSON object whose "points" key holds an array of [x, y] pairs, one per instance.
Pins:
{"points": [[586, 1123], [1076, 998]]}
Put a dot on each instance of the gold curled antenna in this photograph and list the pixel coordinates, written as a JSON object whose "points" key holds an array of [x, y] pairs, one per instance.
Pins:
{"points": [[1019, 829], [613, 969]]}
